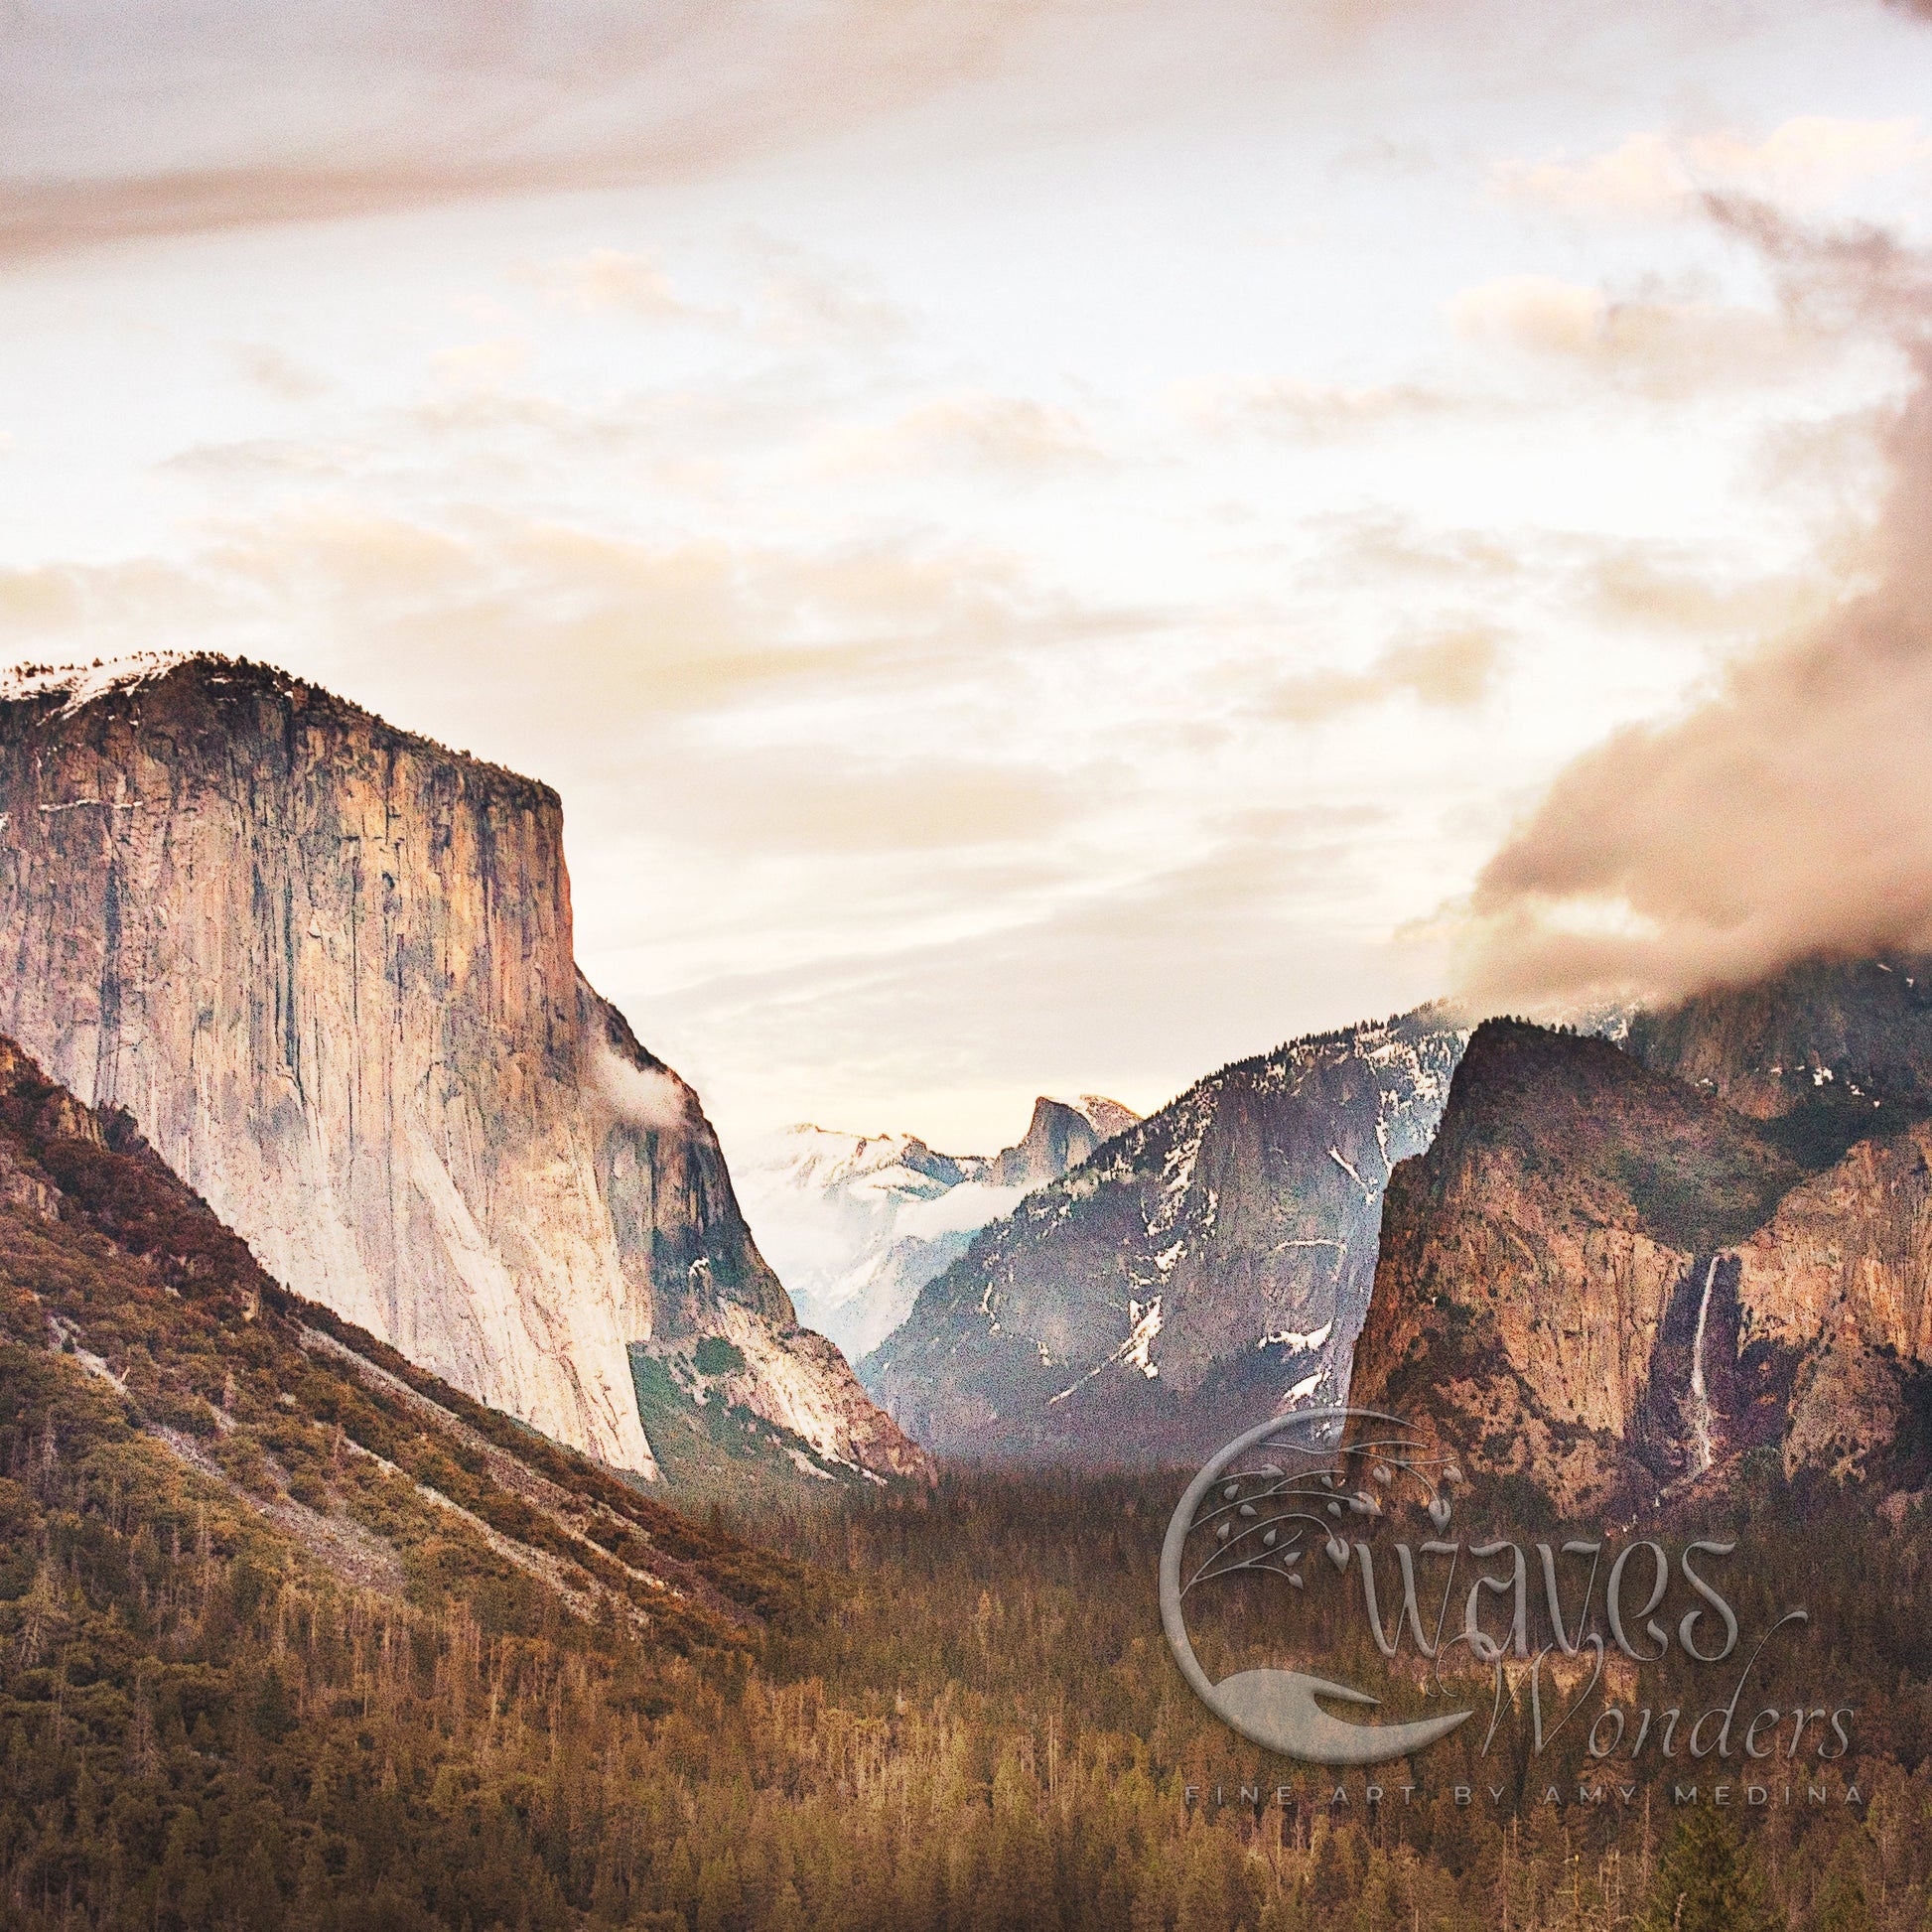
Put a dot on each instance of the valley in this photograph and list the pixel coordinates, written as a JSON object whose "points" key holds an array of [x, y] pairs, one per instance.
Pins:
{"points": [[1211, 1262], [857, 1224], [346, 1585]]}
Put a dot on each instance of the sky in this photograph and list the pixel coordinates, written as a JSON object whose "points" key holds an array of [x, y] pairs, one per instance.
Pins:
{"points": [[1044, 546]]}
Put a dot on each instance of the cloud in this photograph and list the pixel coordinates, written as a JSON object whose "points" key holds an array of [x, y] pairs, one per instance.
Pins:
{"points": [[1381, 156], [1663, 589], [1309, 412], [1016, 435], [1533, 312], [794, 800], [131, 118], [1378, 547], [1643, 176], [570, 641], [1787, 813], [635, 629], [1452, 672], [277, 373], [1662, 348], [1195, 960], [487, 365], [689, 428], [1803, 163], [612, 279], [641, 1096], [136, 118], [117, 605], [806, 300]]}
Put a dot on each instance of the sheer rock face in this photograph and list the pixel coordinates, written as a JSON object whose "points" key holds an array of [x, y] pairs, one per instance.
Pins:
{"points": [[1845, 1268], [1060, 1135], [1549, 1267], [1841, 1041], [1203, 1267], [1538, 1264], [1852, 1249], [327, 967]]}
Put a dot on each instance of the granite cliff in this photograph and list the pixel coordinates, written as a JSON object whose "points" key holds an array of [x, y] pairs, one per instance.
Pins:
{"points": [[1612, 1280], [1202, 1266], [1060, 1135], [1537, 1259], [327, 966]]}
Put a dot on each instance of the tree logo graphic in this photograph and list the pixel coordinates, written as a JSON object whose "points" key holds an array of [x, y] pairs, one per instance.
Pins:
{"points": [[1280, 1501]]}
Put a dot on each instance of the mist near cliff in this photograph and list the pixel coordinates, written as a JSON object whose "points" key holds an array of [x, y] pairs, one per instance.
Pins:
{"points": [[1788, 812], [640, 1096]]}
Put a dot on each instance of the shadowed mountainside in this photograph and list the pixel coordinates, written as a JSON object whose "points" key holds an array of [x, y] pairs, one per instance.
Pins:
{"points": [[1205, 1265]]}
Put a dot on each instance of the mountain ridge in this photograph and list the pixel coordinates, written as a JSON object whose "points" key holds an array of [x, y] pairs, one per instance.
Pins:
{"points": [[1620, 1284], [1208, 1263]]}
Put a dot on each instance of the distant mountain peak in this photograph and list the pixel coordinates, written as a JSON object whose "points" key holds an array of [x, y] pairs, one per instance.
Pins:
{"points": [[857, 1223], [1060, 1135]]}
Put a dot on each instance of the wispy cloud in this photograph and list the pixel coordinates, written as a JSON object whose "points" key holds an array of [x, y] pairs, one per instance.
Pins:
{"points": [[1663, 347], [1297, 411], [130, 119], [1801, 164], [277, 373], [609, 279], [138, 119], [1449, 672], [489, 365], [1011, 435], [566, 628], [807, 299]]}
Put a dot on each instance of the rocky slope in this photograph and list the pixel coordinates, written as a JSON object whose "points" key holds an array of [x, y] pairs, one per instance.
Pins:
{"points": [[120, 1282], [859, 1223], [327, 967], [1209, 1262], [1829, 1053], [1610, 1280]]}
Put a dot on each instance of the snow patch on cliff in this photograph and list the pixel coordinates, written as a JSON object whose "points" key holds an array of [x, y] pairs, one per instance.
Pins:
{"points": [[82, 684], [1300, 1343]]}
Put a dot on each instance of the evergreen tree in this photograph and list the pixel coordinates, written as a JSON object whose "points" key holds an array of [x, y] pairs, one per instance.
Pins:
{"points": [[1707, 1881], [1841, 1904]]}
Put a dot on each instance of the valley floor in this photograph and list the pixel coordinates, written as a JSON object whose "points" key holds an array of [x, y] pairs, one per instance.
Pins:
{"points": [[961, 1715]]}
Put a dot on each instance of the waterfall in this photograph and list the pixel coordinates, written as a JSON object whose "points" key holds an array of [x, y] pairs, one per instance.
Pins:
{"points": [[1702, 1414]]}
